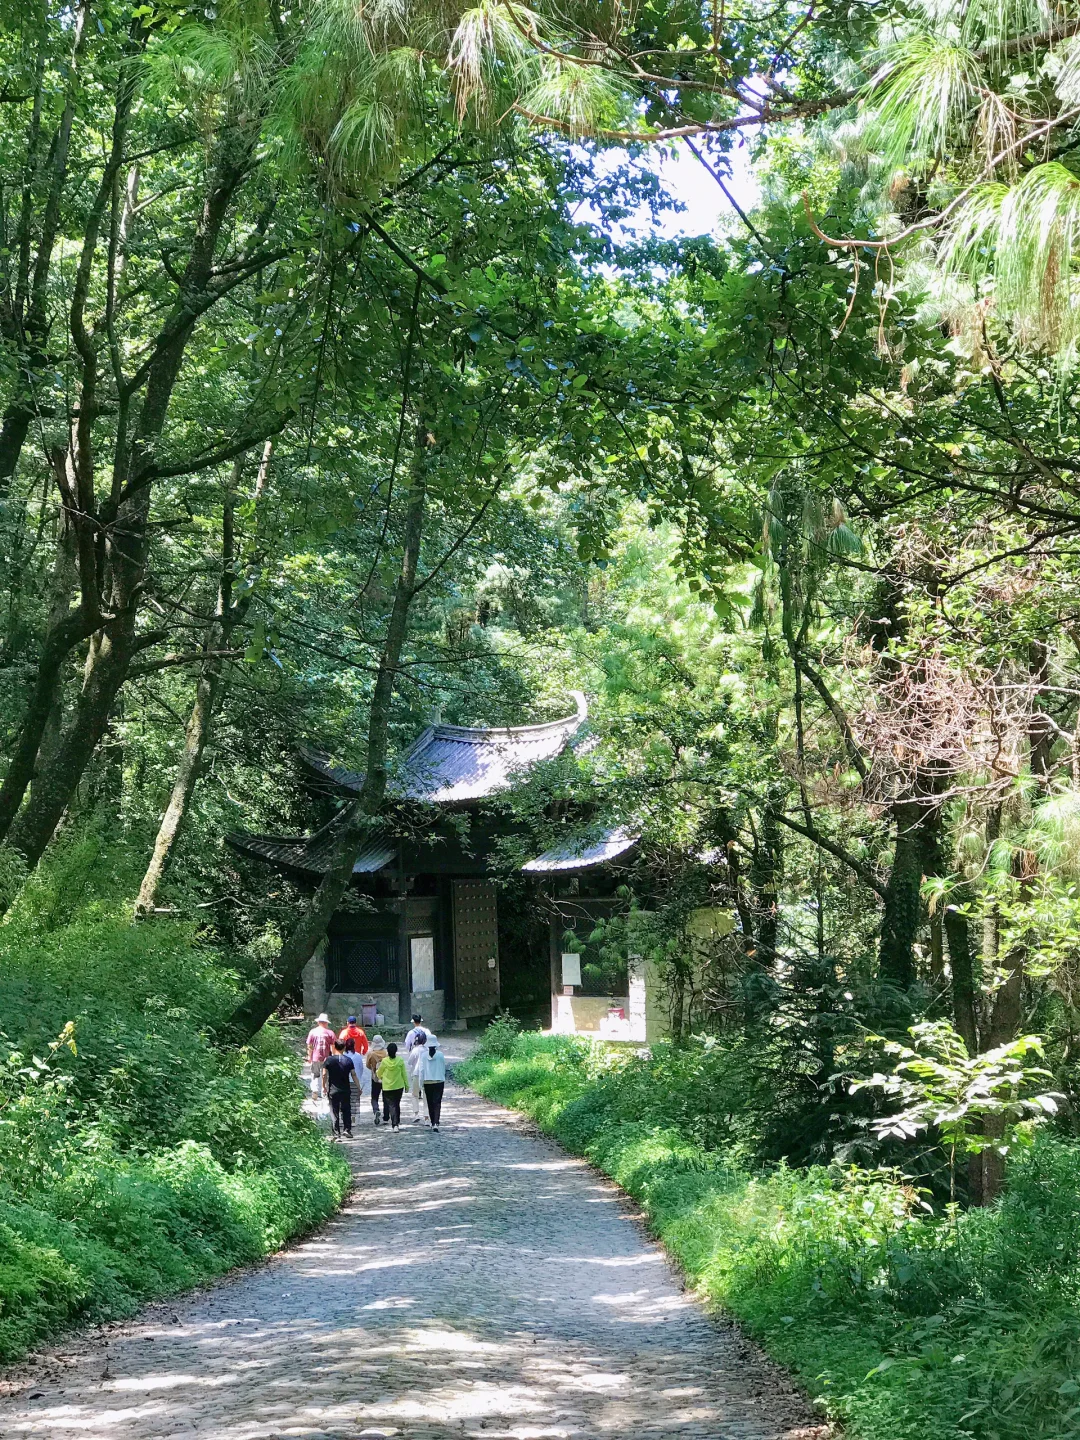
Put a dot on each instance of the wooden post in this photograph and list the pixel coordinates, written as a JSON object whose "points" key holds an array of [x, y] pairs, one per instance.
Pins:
{"points": [[404, 968], [555, 950]]}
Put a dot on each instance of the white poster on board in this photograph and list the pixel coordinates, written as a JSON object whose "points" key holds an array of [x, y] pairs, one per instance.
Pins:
{"points": [[571, 969], [422, 959]]}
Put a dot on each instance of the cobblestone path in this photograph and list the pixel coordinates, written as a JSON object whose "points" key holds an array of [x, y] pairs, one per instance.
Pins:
{"points": [[478, 1282]]}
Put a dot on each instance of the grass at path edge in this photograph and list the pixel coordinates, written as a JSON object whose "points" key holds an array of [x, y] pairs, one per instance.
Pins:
{"points": [[902, 1326]]}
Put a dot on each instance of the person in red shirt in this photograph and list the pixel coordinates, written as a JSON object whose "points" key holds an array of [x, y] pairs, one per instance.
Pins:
{"points": [[356, 1034]]}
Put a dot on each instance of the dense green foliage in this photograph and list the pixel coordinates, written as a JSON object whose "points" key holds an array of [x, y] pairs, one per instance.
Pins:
{"points": [[135, 1159], [335, 394], [902, 1322]]}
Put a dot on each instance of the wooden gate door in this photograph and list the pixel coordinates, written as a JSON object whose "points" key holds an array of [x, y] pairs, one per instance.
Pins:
{"points": [[476, 948]]}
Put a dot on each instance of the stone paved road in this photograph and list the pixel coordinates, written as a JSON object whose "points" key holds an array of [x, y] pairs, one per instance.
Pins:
{"points": [[478, 1282]]}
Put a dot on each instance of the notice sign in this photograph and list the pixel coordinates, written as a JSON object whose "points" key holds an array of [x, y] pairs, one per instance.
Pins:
{"points": [[422, 958], [571, 969]]}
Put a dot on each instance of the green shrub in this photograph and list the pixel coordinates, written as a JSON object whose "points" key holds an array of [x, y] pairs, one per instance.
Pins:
{"points": [[904, 1323], [499, 1038], [136, 1158]]}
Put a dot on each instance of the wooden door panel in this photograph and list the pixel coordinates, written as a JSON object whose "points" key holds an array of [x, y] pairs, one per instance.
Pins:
{"points": [[476, 948]]}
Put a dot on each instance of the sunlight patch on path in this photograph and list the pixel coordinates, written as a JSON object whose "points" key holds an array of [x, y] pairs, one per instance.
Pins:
{"points": [[477, 1283]]}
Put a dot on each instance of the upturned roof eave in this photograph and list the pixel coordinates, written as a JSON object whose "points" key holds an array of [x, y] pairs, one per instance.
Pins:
{"points": [[350, 782], [582, 853]]}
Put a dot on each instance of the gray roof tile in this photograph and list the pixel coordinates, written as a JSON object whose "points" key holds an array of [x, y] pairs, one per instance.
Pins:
{"points": [[450, 764], [581, 852], [312, 854]]}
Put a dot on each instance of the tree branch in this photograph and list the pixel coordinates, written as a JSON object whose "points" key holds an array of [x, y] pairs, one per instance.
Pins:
{"points": [[836, 711], [405, 258], [799, 110], [192, 657], [207, 462], [861, 869]]}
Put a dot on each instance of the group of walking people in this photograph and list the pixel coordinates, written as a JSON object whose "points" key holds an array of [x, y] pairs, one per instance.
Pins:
{"points": [[347, 1065]]}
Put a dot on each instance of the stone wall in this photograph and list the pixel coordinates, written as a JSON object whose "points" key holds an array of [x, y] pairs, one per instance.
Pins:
{"points": [[339, 1005], [587, 1014], [430, 1004]]}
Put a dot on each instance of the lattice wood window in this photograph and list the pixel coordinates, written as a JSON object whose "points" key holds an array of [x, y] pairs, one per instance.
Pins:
{"points": [[362, 964]]}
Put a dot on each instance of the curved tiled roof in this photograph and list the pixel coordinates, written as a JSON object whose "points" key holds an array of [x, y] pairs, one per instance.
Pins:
{"points": [[312, 854], [450, 764], [581, 853]]}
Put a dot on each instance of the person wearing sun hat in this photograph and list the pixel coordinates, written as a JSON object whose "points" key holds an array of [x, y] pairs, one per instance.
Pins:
{"points": [[320, 1045]]}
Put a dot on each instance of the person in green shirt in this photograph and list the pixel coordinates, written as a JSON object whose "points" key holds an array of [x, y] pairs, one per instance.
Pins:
{"points": [[391, 1076]]}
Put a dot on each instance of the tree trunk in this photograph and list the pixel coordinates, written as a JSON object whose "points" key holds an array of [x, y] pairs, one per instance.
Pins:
{"points": [[903, 900], [725, 833], [1003, 1024], [937, 948], [1006, 1012], [768, 863], [195, 737], [13, 432], [102, 788], [299, 945], [965, 985], [1040, 729], [63, 583], [54, 787], [60, 641], [125, 519], [206, 691], [954, 928], [20, 411]]}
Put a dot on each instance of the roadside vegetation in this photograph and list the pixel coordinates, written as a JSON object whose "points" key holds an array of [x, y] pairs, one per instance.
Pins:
{"points": [[349, 376], [903, 1317], [135, 1158]]}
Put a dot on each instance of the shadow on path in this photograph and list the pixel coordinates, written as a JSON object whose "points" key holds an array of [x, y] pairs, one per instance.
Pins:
{"points": [[478, 1282]]}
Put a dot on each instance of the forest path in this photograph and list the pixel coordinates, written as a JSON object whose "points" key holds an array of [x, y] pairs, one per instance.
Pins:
{"points": [[478, 1282]]}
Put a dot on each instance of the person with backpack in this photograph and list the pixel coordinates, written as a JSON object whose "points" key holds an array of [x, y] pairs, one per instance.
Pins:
{"points": [[373, 1059], [392, 1077], [339, 1072]]}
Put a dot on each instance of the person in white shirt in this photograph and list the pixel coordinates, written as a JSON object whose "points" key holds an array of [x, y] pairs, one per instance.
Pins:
{"points": [[416, 1033], [432, 1073], [412, 1069]]}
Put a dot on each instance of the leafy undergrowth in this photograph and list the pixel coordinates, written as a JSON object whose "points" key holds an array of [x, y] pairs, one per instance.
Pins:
{"points": [[135, 1158], [903, 1324]]}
